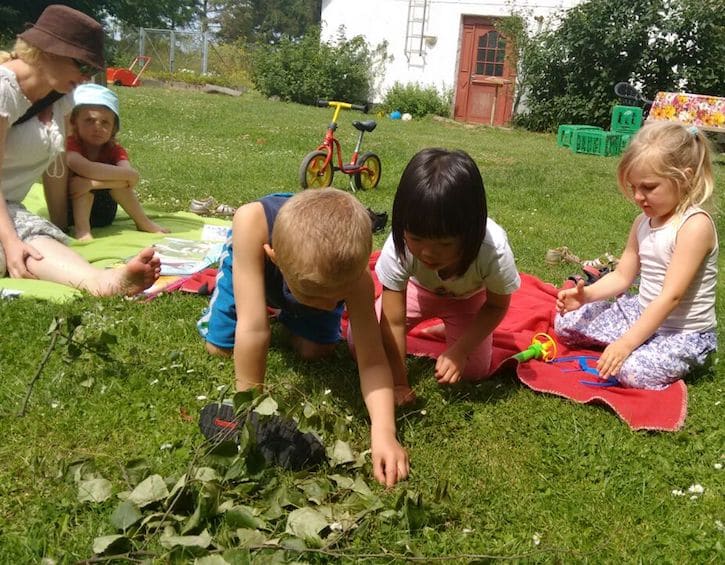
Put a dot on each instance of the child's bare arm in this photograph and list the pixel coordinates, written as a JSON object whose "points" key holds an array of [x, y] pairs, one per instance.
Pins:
{"points": [[392, 326], [98, 171], [390, 461], [133, 176], [695, 240], [252, 335], [610, 285]]}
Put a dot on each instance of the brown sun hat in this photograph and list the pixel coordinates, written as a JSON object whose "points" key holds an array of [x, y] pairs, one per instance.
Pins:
{"points": [[63, 31]]}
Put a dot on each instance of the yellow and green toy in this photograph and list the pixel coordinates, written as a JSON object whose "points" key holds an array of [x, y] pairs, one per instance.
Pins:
{"points": [[543, 348]]}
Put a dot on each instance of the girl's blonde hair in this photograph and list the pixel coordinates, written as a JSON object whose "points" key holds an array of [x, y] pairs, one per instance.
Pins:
{"points": [[673, 151], [22, 50]]}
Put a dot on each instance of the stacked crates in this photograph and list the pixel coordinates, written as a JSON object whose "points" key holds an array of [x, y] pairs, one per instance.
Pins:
{"points": [[593, 140]]}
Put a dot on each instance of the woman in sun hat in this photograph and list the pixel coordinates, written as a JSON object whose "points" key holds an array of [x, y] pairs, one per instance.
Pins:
{"points": [[62, 49]]}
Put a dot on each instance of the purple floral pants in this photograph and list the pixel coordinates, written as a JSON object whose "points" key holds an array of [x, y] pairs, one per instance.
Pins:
{"points": [[658, 362]]}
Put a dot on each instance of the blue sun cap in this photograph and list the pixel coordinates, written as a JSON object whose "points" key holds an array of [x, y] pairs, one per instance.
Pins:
{"points": [[96, 95]]}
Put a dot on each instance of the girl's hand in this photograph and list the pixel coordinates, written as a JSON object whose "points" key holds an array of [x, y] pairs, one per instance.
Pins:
{"points": [[449, 367], [16, 257], [612, 359], [571, 298]]}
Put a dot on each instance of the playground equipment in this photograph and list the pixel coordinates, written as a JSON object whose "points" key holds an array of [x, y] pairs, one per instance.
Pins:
{"points": [[318, 166], [126, 77]]}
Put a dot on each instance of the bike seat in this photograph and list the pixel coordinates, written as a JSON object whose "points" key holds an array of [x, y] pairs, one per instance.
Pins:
{"points": [[368, 125]]}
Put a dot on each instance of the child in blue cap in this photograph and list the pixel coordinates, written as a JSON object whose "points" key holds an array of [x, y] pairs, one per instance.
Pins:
{"points": [[101, 174]]}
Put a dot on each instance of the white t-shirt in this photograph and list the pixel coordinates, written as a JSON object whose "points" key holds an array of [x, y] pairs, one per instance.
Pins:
{"points": [[696, 310], [493, 269], [31, 146]]}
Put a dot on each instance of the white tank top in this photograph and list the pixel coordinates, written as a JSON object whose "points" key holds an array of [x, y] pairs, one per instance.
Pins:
{"points": [[696, 310]]}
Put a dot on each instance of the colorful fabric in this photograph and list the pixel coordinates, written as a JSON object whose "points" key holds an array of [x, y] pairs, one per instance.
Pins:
{"points": [[703, 111]]}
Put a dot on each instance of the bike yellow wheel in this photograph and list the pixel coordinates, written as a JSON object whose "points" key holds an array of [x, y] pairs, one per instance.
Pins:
{"points": [[370, 177], [313, 173]]}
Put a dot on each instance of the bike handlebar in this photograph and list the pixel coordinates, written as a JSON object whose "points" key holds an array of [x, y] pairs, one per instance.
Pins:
{"points": [[346, 105]]}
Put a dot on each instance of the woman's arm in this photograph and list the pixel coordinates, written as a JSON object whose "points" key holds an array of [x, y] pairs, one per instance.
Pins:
{"points": [[15, 250]]}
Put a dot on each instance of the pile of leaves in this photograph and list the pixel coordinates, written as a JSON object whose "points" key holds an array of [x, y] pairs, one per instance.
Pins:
{"points": [[230, 504]]}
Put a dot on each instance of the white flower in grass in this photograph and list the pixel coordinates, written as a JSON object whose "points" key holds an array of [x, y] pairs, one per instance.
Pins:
{"points": [[536, 538], [327, 391], [55, 404], [166, 446], [719, 525], [677, 492], [221, 387], [201, 397], [696, 489], [336, 527], [155, 381], [468, 530], [718, 466], [423, 412]]}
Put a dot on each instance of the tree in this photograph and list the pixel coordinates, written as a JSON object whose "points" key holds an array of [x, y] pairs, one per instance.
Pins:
{"points": [[570, 70], [131, 13], [265, 20]]}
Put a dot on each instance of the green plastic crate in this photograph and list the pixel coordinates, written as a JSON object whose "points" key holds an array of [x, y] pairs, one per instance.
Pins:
{"points": [[592, 142], [566, 133], [626, 119]]}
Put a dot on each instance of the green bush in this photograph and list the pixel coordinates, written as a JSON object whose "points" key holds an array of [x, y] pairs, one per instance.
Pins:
{"points": [[416, 100], [308, 69]]}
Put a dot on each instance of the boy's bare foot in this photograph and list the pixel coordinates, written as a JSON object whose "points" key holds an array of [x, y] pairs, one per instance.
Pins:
{"points": [[404, 395], [130, 279], [151, 227], [85, 237]]}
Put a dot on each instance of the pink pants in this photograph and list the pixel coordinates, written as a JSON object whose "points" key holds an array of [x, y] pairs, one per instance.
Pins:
{"points": [[457, 315]]}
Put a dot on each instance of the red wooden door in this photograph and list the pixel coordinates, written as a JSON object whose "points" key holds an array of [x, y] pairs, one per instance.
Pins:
{"points": [[486, 75]]}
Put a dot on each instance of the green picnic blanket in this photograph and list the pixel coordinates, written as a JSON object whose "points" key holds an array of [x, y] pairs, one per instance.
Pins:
{"points": [[111, 245]]}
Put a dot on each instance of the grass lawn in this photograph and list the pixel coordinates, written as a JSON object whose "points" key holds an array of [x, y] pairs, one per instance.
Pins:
{"points": [[498, 471]]}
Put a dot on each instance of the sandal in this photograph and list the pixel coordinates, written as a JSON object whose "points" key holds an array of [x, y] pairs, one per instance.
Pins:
{"points": [[210, 207], [560, 255], [278, 439]]}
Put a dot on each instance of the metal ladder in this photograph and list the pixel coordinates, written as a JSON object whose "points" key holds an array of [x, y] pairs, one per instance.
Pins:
{"points": [[415, 32]]}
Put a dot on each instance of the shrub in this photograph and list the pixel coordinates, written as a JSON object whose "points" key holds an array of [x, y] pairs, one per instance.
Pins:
{"points": [[308, 69], [417, 100]]}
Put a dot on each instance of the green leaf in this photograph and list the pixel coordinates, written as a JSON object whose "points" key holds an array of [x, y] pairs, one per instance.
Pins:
{"points": [[242, 517], [206, 474], [111, 544], [136, 470], [125, 515], [267, 407], [94, 490], [211, 560], [250, 538], [306, 523], [342, 481], [151, 489], [170, 540], [243, 400], [340, 453]]}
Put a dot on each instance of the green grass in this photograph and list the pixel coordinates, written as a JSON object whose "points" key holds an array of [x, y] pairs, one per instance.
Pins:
{"points": [[518, 465]]}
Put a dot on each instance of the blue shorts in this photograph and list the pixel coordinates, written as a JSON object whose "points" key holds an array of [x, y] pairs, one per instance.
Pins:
{"points": [[218, 323]]}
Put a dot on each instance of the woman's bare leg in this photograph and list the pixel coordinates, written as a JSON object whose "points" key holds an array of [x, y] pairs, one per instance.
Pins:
{"points": [[62, 265]]}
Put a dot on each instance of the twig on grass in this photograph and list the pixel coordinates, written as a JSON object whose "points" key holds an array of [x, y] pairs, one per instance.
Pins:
{"points": [[53, 339]]}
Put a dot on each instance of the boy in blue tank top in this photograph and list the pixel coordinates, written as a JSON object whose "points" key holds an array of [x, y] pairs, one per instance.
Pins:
{"points": [[306, 255]]}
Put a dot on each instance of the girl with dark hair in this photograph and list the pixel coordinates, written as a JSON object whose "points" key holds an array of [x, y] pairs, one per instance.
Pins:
{"points": [[445, 259]]}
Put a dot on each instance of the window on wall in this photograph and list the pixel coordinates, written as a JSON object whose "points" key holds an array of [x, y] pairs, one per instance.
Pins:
{"points": [[490, 54]]}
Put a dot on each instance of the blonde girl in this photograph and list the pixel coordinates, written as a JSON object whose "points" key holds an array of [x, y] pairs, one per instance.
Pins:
{"points": [[667, 329]]}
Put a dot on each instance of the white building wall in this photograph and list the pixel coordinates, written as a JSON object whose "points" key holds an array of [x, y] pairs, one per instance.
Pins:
{"points": [[386, 20]]}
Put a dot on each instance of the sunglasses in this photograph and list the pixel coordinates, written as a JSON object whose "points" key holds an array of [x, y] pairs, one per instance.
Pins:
{"points": [[85, 69]]}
